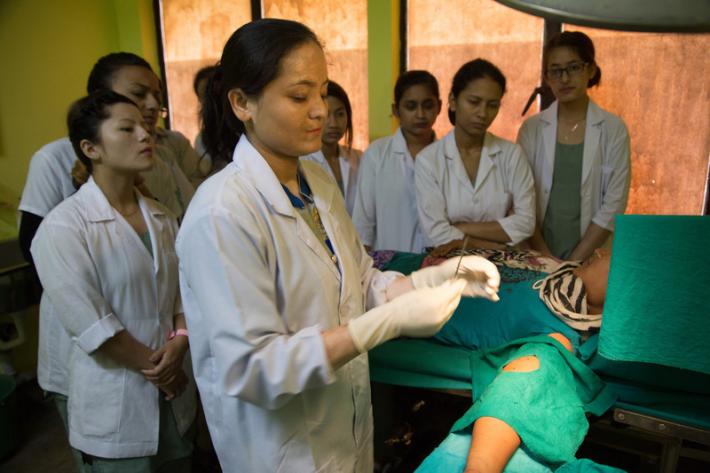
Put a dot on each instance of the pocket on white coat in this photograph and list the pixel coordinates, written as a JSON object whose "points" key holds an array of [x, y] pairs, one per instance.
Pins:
{"points": [[95, 399]]}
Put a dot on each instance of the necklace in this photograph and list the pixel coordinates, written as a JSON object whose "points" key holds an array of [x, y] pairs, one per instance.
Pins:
{"points": [[566, 134], [126, 215]]}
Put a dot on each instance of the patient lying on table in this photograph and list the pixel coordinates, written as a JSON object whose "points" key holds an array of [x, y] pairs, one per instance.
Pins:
{"points": [[533, 398], [530, 390]]}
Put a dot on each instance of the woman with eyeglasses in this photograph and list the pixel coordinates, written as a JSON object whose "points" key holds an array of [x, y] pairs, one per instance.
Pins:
{"points": [[579, 154]]}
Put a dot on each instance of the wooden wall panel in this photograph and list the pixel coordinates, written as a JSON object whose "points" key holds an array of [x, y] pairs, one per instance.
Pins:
{"points": [[444, 34], [194, 33], [342, 28], [660, 85]]}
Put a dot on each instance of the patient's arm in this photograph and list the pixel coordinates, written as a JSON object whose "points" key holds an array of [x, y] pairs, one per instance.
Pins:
{"points": [[493, 442]]}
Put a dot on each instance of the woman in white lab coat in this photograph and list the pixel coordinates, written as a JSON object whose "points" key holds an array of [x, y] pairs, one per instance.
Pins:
{"points": [[385, 212], [106, 260], [472, 185], [274, 280], [341, 162], [579, 155]]}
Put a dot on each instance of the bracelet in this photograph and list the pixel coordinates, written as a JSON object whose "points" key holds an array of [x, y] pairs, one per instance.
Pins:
{"points": [[181, 332]]}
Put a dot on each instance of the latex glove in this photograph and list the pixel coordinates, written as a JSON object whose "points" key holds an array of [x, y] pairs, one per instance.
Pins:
{"points": [[481, 276], [417, 313]]}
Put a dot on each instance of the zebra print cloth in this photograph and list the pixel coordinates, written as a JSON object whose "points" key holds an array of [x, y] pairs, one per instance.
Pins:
{"points": [[564, 294]]}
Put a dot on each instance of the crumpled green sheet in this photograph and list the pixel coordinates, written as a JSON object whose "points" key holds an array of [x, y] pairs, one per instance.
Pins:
{"points": [[546, 407]]}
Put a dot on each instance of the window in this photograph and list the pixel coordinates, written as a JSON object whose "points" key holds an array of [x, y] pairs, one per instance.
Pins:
{"points": [[442, 35], [342, 27], [194, 33], [658, 83]]}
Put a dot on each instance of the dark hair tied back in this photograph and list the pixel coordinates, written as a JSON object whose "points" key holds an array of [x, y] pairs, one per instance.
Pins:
{"points": [[409, 79], [578, 42], [250, 61], [85, 117], [335, 90], [471, 71], [106, 67]]}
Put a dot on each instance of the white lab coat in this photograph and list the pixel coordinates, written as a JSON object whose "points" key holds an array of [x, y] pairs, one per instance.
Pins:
{"points": [[100, 279], [446, 196], [258, 289], [48, 178], [606, 168], [48, 183], [385, 213], [349, 162]]}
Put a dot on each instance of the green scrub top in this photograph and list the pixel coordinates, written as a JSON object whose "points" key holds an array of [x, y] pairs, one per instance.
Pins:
{"points": [[561, 227]]}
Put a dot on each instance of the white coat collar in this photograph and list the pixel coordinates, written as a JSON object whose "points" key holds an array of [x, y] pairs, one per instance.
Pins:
{"points": [[249, 161], [490, 146], [592, 135], [399, 146], [98, 208], [491, 149], [595, 115]]}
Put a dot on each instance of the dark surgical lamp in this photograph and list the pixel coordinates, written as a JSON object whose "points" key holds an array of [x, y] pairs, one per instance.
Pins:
{"points": [[657, 16]]}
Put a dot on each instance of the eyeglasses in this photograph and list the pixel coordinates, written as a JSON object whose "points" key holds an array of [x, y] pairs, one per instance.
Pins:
{"points": [[572, 70], [163, 112]]}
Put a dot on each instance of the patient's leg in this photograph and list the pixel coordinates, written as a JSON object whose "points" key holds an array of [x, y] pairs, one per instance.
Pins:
{"points": [[493, 441]]}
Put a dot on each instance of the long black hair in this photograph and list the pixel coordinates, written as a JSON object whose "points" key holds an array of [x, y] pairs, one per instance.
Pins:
{"points": [[250, 61], [106, 67]]}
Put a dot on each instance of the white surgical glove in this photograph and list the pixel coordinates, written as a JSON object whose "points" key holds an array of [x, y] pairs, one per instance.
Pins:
{"points": [[417, 313], [481, 276]]}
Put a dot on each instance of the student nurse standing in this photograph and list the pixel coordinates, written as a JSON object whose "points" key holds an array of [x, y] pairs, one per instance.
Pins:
{"points": [[472, 185], [385, 212], [106, 260], [341, 162], [579, 154]]}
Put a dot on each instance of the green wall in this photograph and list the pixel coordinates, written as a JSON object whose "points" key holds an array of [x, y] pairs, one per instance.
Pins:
{"points": [[382, 63], [48, 49]]}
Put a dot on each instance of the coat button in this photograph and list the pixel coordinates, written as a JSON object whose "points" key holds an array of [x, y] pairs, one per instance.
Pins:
{"points": [[334, 259]]}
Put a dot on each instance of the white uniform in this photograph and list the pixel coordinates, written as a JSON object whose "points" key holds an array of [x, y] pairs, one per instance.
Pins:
{"points": [[48, 178], [385, 213], [48, 183], [100, 279], [349, 162], [258, 288], [504, 191], [606, 165]]}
